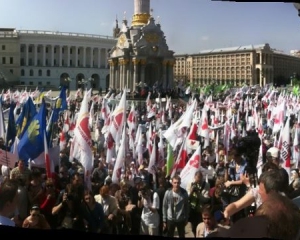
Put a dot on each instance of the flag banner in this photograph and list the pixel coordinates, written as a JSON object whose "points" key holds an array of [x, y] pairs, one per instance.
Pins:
{"points": [[53, 155], [8, 159], [31, 144], [192, 144], [193, 165]]}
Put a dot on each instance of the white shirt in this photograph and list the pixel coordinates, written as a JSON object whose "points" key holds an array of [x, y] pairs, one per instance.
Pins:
{"points": [[5, 221], [150, 218], [256, 196]]}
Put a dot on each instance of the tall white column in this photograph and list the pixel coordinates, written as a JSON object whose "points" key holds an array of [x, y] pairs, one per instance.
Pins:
{"points": [[52, 55], [99, 57], [60, 55], [76, 56], [44, 55], [35, 54], [68, 56], [84, 57], [27, 53], [92, 57]]}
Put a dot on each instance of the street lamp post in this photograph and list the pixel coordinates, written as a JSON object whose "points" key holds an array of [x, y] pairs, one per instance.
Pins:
{"points": [[67, 81], [85, 82]]}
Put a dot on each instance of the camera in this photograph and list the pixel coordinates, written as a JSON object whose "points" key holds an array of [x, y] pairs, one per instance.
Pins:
{"points": [[70, 197], [249, 147]]}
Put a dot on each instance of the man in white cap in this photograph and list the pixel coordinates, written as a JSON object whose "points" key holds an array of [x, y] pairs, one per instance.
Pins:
{"points": [[273, 155]]}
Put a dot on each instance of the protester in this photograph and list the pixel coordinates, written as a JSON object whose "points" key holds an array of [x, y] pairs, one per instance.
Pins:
{"points": [[175, 209], [116, 184], [36, 220], [8, 202]]}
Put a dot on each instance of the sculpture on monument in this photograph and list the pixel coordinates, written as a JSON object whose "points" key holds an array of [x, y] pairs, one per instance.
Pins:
{"points": [[141, 60]]}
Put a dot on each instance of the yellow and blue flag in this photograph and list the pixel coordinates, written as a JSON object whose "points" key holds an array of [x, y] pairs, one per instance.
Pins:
{"points": [[31, 144], [25, 117]]}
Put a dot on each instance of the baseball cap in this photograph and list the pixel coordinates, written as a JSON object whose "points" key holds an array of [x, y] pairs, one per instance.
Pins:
{"points": [[273, 152], [248, 227]]}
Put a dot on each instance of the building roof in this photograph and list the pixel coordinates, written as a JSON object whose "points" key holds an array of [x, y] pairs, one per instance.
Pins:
{"points": [[233, 49]]}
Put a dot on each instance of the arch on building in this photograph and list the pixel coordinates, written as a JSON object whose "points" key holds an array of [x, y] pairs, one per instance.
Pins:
{"points": [[96, 82], [79, 78], [64, 80]]}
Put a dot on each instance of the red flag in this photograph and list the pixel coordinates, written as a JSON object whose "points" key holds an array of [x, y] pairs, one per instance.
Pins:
{"points": [[49, 164]]}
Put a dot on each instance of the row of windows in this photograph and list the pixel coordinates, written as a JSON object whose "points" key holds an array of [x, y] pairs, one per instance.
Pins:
{"points": [[11, 60], [39, 72], [55, 62], [39, 83], [30, 50]]}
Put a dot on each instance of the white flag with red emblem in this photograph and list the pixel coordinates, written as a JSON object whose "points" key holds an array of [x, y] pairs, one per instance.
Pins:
{"points": [[120, 161], [177, 130], [131, 120], [181, 159], [285, 154], [278, 116], [110, 148], [192, 142], [204, 131], [82, 139], [118, 119], [193, 165]]}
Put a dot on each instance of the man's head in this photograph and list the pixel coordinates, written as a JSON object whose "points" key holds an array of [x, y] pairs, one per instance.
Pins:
{"points": [[8, 197], [198, 177], [271, 181], [176, 180], [273, 155], [21, 165], [208, 217], [283, 216]]}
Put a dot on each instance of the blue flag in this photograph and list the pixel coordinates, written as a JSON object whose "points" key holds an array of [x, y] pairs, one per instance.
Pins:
{"points": [[11, 126], [60, 104], [25, 117], [31, 144]]}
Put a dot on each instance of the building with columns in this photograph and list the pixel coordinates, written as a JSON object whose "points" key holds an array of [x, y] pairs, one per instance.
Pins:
{"points": [[251, 64], [141, 56], [44, 58]]}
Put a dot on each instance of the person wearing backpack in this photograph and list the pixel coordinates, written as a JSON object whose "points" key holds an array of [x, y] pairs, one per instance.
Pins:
{"points": [[198, 191], [175, 209], [150, 219]]}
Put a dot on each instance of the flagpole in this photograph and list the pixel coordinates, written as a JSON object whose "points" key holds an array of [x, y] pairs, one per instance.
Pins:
{"points": [[125, 120]]}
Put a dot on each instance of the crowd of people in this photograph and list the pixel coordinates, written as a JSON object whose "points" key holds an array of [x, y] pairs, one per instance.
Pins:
{"points": [[223, 205]]}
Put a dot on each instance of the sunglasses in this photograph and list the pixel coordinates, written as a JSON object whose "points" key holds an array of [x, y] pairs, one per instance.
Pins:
{"points": [[35, 215]]}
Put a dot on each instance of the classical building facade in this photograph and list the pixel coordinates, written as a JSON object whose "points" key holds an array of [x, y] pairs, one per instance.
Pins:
{"points": [[252, 64], [42, 58], [141, 56]]}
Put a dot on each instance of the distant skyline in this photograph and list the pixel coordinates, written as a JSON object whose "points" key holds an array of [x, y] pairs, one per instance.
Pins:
{"points": [[190, 26]]}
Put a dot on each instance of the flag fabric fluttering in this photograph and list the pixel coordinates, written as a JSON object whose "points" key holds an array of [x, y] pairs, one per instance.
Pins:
{"points": [[31, 144], [170, 160], [120, 161], [48, 162], [27, 113], [11, 126], [82, 149]]}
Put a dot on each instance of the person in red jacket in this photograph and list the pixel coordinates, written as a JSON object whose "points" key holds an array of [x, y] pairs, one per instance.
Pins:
{"points": [[48, 202]]}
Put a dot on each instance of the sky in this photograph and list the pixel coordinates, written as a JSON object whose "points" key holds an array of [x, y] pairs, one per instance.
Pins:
{"points": [[189, 26]]}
